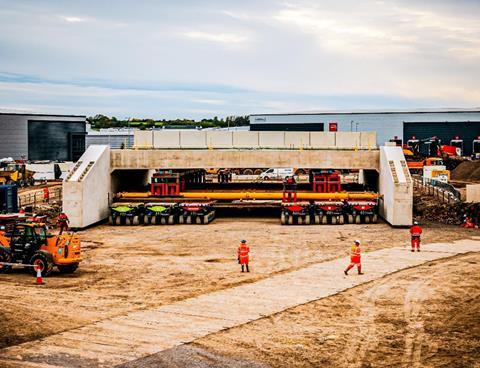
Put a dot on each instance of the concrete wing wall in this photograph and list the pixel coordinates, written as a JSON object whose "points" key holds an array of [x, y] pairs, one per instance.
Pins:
{"points": [[87, 188], [396, 187]]}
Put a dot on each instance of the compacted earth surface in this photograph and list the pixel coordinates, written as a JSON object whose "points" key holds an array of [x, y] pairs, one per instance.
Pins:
{"points": [[425, 316]]}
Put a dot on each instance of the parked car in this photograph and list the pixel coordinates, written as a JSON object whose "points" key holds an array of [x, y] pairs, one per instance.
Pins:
{"points": [[277, 173]]}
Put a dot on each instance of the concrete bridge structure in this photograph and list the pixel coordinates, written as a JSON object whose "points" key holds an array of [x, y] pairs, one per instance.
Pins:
{"points": [[90, 185]]}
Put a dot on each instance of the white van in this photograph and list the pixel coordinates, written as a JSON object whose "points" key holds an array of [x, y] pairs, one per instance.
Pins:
{"points": [[276, 174]]}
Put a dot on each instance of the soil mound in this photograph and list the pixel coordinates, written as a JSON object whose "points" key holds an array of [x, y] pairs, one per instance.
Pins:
{"points": [[467, 171]]}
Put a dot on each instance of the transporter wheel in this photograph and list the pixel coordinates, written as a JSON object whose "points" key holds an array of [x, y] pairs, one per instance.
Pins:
{"points": [[317, 219], [135, 220], [118, 220], [71, 268], [43, 261], [110, 220], [171, 220], [290, 220], [307, 220], [367, 219], [198, 220], [181, 219], [282, 218], [334, 220], [358, 219], [189, 219], [350, 219], [341, 220], [6, 257], [156, 220], [324, 220], [147, 220], [248, 172], [375, 219], [257, 171], [206, 219], [299, 220], [163, 220]]}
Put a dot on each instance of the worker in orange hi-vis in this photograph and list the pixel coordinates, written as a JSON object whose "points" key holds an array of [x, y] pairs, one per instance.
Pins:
{"points": [[46, 194], [62, 222], [242, 254], [415, 232], [355, 258]]}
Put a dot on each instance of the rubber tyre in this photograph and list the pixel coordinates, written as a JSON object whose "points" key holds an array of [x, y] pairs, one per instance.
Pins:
{"points": [[5, 256], [198, 220], [68, 269], [341, 220], [136, 220], [317, 219], [171, 220], [358, 219], [205, 219], [118, 220], [110, 220], [324, 220], [257, 171], [299, 220], [334, 220], [290, 220], [163, 220], [189, 220], [44, 260], [307, 220], [350, 219], [248, 172], [147, 220], [181, 219], [282, 218], [367, 219], [375, 219]]}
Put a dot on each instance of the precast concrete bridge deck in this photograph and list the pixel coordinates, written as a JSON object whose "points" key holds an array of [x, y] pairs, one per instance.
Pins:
{"points": [[243, 158], [89, 188]]}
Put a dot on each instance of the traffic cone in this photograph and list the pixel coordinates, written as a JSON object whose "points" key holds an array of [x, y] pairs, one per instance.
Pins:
{"points": [[39, 280]]}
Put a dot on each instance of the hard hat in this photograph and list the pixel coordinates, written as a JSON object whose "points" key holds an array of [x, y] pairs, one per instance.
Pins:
{"points": [[243, 241], [415, 222], [357, 241]]}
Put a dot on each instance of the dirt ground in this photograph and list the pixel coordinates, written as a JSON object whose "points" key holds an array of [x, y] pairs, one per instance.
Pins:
{"points": [[131, 268]]}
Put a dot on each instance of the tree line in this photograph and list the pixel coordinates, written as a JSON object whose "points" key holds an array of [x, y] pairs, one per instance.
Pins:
{"points": [[102, 121]]}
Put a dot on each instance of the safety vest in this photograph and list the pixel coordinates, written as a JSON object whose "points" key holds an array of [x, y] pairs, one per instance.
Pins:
{"points": [[355, 251], [416, 230], [243, 250]]}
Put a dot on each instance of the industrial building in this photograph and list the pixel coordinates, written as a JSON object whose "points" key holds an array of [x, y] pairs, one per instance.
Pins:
{"points": [[116, 138], [445, 124], [42, 136]]}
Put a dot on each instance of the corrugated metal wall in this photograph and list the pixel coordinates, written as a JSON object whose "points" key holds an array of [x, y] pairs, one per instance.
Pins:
{"points": [[114, 141], [50, 140]]}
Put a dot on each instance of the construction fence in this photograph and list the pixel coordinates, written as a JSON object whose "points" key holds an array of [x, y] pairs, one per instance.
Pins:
{"points": [[34, 197], [444, 192]]}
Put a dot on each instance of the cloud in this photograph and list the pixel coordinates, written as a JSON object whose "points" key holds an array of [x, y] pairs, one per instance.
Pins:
{"points": [[73, 19], [226, 38]]}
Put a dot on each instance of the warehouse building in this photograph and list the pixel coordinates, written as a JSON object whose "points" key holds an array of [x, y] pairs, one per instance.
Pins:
{"points": [[445, 124], [116, 138], [42, 137]]}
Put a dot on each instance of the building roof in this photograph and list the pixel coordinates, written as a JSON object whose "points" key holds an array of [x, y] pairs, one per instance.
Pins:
{"points": [[374, 111], [38, 114]]}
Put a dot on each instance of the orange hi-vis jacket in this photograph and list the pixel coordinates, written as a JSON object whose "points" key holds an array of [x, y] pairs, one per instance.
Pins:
{"points": [[416, 230], [242, 253], [355, 254]]}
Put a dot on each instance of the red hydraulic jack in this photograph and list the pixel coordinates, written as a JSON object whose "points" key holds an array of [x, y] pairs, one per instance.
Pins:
{"points": [[289, 190]]}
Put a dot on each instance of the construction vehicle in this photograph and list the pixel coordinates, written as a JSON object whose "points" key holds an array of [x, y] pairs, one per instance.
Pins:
{"points": [[196, 213], [160, 213], [125, 214], [29, 244], [476, 148], [430, 148], [15, 173]]}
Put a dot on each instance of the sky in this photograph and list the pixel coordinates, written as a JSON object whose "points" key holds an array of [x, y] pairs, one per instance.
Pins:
{"points": [[199, 59]]}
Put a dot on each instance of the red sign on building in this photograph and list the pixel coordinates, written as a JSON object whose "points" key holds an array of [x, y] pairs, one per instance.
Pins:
{"points": [[332, 126]]}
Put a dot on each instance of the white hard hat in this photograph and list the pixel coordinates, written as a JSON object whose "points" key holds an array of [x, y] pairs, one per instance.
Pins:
{"points": [[415, 222], [357, 241]]}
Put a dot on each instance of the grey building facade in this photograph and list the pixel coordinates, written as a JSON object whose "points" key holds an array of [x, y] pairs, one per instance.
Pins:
{"points": [[445, 124], [42, 136]]}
